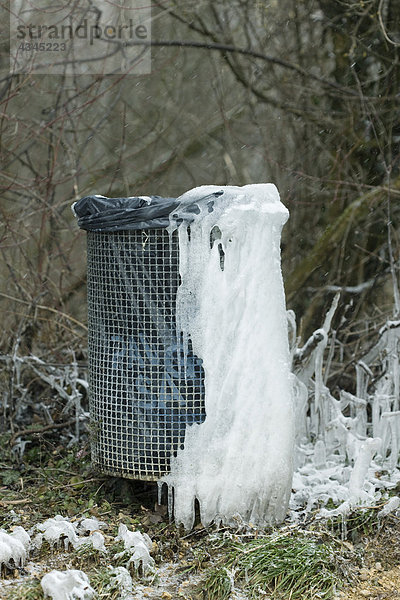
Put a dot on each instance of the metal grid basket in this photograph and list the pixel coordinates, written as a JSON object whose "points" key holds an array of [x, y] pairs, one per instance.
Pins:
{"points": [[143, 391]]}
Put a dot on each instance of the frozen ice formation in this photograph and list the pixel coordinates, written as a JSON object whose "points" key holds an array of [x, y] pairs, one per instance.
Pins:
{"points": [[67, 585], [56, 530], [230, 308], [14, 547], [90, 525], [392, 505], [94, 540], [366, 452], [60, 529], [138, 545], [238, 463], [347, 447], [23, 536], [123, 580]]}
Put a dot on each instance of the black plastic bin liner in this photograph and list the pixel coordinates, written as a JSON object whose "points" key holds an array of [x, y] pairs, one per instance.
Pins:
{"points": [[143, 390], [98, 213]]}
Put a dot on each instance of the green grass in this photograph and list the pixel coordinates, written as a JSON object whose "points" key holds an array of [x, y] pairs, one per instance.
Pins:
{"points": [[278, 564], [218, 584], [359, 523]]}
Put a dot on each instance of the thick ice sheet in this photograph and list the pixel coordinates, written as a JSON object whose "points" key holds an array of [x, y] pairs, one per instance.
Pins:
{"points": [[238, 463]]}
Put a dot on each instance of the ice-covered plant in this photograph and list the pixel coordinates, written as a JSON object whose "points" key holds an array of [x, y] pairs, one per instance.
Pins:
{"points": [[347, 444]]}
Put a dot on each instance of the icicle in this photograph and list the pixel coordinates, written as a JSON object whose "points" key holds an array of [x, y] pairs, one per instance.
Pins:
{"points": [[367, 450], [393, 419], [320, 455], [300, 397], [363, 372]]}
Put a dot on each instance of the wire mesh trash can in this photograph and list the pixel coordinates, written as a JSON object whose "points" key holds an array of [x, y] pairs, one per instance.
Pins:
{"points": [[143, 391]]}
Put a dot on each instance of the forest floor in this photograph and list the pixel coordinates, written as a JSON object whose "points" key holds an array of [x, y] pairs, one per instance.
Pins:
{"points": [[360, 560]]}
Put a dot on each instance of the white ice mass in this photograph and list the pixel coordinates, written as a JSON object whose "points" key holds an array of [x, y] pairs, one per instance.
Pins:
{"points": [[123, 579], [138, 545], [67, 585], [56, 530], [95, 540], [14, 547], [92, 524], [238, 463]]}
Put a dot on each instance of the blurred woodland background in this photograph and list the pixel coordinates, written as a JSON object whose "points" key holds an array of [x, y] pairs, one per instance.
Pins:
{"points": [[301, 93]]}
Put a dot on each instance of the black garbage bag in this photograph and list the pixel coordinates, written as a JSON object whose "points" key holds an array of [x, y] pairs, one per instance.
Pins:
{"points": [[98, 213]]}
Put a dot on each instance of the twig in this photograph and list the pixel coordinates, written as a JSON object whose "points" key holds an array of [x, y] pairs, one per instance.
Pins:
{"points": [[381, 23], [13, 502], [243, 51], [49, 308], [22, 432], [76, 483], [302, 353]]}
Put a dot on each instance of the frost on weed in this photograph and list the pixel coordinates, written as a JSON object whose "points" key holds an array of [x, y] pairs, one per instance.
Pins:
{"points": [[347, 444]]}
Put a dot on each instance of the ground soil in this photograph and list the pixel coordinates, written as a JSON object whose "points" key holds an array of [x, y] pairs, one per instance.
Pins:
{"points": [[375, 584], [378, 577]]}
